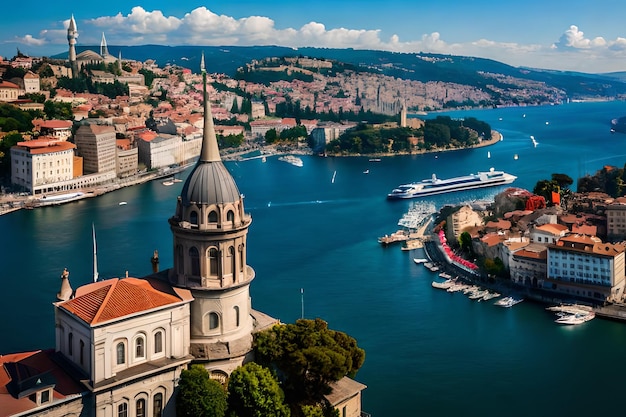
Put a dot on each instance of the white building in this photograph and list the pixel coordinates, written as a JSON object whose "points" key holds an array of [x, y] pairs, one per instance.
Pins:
{"points": [[31, 83], [583, 266], [36, 164], [128, 339], [548, 233]]}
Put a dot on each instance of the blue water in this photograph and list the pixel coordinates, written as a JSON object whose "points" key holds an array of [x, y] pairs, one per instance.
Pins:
{"points": [[428, 352]]}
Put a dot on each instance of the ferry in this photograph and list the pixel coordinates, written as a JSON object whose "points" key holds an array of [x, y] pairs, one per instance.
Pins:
{"points": [[436, 185]]}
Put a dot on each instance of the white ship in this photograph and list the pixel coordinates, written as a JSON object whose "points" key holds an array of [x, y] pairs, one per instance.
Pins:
{"points": [[293, 160], [436, 185]]}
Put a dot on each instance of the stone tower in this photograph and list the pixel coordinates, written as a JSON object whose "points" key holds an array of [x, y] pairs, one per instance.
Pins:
{"points": [[72, 34], [104, 49], [209, 240]]}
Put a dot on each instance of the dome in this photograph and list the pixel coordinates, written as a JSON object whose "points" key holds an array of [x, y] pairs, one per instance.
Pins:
{"points": [[209, 183]]}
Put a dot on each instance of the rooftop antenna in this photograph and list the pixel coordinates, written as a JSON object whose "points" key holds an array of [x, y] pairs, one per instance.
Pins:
{"points": [[95, 258], [302, 302]]}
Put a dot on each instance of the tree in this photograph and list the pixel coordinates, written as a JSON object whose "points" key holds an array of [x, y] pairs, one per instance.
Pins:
{"points": [[271, 136], [253, 392], [308, 357], [11, 139], [199, 395], [465, 241]]}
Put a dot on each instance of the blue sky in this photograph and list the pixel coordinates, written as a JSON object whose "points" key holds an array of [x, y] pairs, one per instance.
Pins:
{"points": [[575, 35]]}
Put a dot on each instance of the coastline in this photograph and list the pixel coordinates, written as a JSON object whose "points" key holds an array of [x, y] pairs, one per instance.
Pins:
{"points": [[11, 202]]}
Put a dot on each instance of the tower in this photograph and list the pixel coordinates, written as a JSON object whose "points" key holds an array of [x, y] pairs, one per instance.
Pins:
{"points": [[104, 50], [209, 231], [72, 34]]}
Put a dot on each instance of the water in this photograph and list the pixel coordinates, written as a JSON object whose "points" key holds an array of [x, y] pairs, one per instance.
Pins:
{"points": [[428, 352]]}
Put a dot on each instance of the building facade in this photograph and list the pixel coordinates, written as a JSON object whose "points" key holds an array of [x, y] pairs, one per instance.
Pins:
{"points": [[586, 267], [96, 144], [36, 164]]}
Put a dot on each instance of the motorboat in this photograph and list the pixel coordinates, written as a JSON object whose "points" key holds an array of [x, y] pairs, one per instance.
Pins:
{"points": [[508, 302], [436, 185], [576, 318]]}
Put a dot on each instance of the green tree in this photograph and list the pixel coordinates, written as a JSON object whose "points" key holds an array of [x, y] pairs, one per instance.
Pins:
{"points": [[271, 136], [308, 356], [253, 392], [465, 241], [11, 139], [58, 110], [199, 395]]}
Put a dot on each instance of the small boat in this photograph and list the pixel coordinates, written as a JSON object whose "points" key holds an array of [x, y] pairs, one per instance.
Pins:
{"points": [[334, 175], [367, 171], [291, 159], [177, 180], [477, 295], [490, 295], [122, 203], [577, 318], [508, 302], [420, 260], [374, 159], [488, 154], [515, 157], [263, 159], [443, 285]]}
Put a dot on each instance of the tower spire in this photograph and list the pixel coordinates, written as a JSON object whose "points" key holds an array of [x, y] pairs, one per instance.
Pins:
{"points": [[104, 50], [210, 151], [72, 34]]}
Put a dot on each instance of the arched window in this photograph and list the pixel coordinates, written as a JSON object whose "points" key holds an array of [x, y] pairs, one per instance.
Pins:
{"points": [[213, 216], [213, 261], [236, 308], [120, 353], [140, 408], [70, 344], [193, 218], [140, 345], [230, 216], [158, 342], [180, 259], [241, 258], [214, 321], [122, 410], [81, 352], [194, 257], [157, 405], [231, 262]]}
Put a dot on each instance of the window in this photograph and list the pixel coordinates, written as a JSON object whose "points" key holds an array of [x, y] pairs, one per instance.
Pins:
{"points": [[180, 260], [70, 343], [213, 217], [193, 218], [122, 410], [213, 261], [214, 321], [45, 396], [158, 342], [140, 343], [236, 308], [140, 408], [158, 405], [120, 353], [194, 257], [230, 216], [82, 352]]}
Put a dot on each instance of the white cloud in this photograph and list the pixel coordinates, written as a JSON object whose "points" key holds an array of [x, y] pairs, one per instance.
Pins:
{"points": [[203, 27]]}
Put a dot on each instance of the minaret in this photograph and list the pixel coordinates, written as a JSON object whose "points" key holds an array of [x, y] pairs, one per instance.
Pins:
{"points": [[209, 232], [72, 34], [104, 51]]}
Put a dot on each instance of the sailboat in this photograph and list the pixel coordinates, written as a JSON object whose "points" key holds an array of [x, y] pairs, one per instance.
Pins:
{"points": [[333, 180], [488, 154]]}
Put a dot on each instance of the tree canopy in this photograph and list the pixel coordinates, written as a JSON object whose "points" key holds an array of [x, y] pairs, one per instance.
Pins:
{"points": [[308, 356], [253, 392], [199, 395]]}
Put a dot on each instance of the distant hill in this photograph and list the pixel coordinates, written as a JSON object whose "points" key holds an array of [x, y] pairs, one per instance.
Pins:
{"points": [[421, 66]]}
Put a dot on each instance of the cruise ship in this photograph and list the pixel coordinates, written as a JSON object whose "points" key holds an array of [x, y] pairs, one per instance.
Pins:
{"points": [[436, 185]]}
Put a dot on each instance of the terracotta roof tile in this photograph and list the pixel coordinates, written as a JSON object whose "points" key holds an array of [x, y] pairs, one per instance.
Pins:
{"points": [[115, 298]]}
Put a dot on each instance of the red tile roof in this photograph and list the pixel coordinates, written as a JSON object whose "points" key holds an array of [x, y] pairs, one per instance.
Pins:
{"points": [[116, 298]]}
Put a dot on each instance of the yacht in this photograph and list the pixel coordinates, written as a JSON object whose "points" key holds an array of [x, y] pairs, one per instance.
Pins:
{"points": [[436, 185], [577, 318], [293, 160], [508, 302]]}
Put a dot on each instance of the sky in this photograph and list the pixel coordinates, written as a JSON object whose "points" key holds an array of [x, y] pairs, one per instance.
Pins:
{"points": [[574, 35]]}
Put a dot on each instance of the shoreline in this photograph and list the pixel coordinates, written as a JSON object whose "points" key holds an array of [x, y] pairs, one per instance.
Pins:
{"points": [[10, 203]]}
